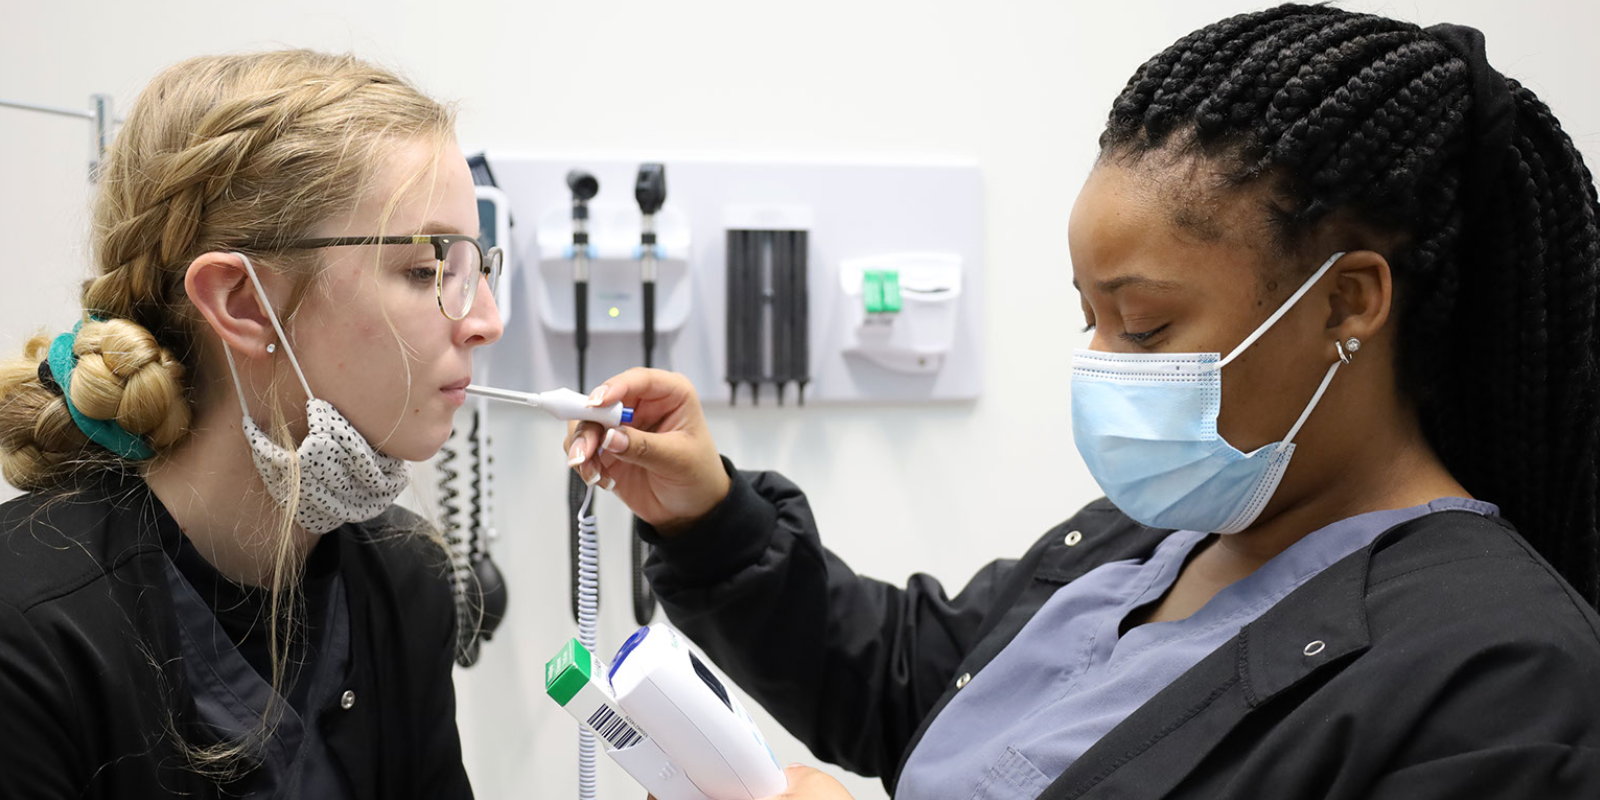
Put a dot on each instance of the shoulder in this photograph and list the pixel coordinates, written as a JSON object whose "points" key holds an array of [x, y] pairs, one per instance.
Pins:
{"points": [[1466, 568], [56, 545], [1476, 650], [1464, 595], [76, 608]]}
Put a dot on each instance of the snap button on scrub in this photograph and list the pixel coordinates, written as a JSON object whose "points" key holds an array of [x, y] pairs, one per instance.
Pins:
{"points": [[1073, 538], [962, 681], [1315, 647], [347, 700]]}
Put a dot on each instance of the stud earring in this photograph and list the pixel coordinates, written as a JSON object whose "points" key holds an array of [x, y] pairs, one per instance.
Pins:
{"points": [[1347, 348], [272, 347]]}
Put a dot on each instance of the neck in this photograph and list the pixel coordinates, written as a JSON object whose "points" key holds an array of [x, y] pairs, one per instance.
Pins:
{"points": [[209, 484], [1391, 465]]}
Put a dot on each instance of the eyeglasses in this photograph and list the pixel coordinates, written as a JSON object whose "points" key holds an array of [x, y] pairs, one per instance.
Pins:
{"points": [[461, 260]]}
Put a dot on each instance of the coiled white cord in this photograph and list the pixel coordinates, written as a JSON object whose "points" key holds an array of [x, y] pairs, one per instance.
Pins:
{"points": [[588, 630]]}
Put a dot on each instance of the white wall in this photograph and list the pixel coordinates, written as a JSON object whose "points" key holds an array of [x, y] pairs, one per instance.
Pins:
{"points": [[1022, 87]]}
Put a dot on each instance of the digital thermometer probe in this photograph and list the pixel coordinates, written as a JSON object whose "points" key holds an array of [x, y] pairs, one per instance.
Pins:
{"points": [[561, 404]]}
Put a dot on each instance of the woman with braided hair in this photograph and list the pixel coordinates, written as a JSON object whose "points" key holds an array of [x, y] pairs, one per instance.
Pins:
{"points": [[1301, 209], [194, 603]]}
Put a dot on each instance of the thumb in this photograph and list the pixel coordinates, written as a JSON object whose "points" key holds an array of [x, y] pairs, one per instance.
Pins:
{"points": [[797, 772]]}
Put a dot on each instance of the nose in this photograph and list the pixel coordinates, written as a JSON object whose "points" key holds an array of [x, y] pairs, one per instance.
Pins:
{"points": [[482, 323]]}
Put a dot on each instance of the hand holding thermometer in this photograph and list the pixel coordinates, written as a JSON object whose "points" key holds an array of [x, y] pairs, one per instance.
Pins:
{"points": [[562, 404]]}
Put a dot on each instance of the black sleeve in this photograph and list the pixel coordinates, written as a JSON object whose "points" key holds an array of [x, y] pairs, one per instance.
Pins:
{"points": [[38, 753], [847, 664]]}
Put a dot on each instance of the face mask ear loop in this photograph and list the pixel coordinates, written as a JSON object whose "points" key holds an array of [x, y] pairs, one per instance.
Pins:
{"points": [[282, 337], [234, 371], [1283, 309], [1304, 415]]}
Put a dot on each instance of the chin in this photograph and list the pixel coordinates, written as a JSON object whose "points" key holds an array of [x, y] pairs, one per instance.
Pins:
{"points": [[415, 446], [417, 438], [427, 445]]}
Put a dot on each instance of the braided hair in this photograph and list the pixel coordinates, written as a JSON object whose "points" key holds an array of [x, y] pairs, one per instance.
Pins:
{"points": [[220, 153], [1499, 257]]}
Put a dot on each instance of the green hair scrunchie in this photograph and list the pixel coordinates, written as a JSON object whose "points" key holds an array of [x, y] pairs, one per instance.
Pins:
{"points": [[104, 432]]}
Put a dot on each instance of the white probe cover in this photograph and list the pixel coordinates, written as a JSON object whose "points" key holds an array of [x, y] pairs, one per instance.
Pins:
{"points": [[563, 404], [567, 404], [692, 717]]}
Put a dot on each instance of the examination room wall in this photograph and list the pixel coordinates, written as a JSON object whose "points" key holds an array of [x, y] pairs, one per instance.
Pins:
{"points": [[1020, 88]]}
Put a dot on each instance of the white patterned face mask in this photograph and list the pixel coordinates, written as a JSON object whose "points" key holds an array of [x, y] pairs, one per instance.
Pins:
{"points": [[342, 478]]}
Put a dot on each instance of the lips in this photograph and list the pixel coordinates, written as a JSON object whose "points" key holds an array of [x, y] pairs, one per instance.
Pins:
{"points": [[457, 386]]}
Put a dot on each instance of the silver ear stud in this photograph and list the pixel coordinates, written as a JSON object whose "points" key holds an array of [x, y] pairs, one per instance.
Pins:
{"points": [[272, 347], [1347, 348]]}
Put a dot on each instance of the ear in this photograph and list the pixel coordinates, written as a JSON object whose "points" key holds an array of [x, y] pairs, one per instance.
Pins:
{"points": [[221, 289], [1362, 293]]}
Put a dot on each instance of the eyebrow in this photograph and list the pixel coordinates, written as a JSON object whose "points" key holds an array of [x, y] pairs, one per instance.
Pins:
{"points": [[441, 227], [1111, 285]]}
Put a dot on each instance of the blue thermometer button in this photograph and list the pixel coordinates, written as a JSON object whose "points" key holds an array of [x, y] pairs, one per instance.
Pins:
{"points": [[627, 417], [627, 647]]}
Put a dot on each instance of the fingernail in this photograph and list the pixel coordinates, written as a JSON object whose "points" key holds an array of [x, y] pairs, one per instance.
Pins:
{"points": [[592, 478], [611, 483], [597, 397], [616, 441], [576, 456]]}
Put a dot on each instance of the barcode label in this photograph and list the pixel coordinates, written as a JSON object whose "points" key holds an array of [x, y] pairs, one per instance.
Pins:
{"points": [[614, 728]]}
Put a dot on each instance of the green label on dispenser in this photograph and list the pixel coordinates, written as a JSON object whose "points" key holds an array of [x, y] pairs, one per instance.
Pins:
{"points": [[872, 291], [880, 290], [891, 291]]}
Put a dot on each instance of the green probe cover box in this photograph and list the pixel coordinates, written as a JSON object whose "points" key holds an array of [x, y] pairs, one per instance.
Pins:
{"points": [[567, 673]]}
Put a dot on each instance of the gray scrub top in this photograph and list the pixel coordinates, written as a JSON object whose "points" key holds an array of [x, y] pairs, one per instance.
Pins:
{"points": [[1070, 675]]}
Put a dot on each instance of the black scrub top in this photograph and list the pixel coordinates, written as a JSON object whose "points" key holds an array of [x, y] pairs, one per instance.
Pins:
{"points": [[225, 631], [116, 648]]}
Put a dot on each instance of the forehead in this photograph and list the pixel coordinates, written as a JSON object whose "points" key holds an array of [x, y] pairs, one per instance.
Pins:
{"points": [[1167, 220], [421, 186]]}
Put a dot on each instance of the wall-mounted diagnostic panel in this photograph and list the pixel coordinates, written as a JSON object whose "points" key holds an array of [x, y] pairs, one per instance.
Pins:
{"points": [[765, 282]]}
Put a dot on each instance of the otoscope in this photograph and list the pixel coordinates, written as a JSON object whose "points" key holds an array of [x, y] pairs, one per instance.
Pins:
{"points": [[584, 187], [650, 189]]}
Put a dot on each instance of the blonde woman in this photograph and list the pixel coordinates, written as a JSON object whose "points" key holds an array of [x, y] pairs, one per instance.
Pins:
{"points": [[207, 589]]}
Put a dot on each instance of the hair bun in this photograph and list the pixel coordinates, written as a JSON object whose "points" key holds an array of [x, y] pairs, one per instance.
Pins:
{"points": [[124, 374]]}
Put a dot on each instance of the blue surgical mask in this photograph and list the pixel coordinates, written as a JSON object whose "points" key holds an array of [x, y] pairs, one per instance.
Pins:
{"points": [[1146, 425]]}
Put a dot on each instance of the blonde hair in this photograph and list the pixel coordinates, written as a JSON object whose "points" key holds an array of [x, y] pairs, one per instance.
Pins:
{"points": [[219, 153]]}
